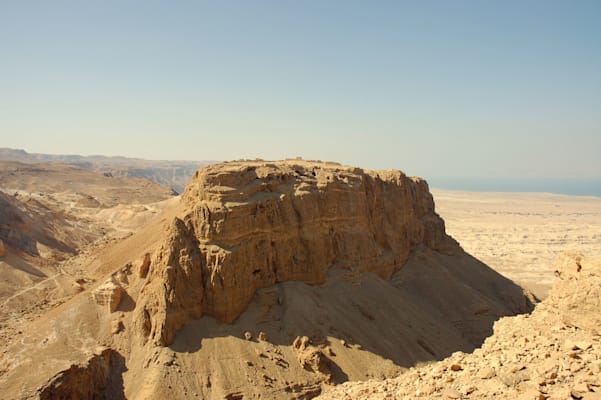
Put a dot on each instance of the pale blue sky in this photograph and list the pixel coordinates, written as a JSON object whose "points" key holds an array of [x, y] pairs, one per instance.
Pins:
{"points": [[435, 88]]}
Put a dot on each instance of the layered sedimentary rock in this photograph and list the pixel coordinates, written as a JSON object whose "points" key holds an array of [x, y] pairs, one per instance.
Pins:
{"points": [[249, 225]]}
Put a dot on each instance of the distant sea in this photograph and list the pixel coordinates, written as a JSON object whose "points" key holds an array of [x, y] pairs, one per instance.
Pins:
{"points": [[576, 187]]}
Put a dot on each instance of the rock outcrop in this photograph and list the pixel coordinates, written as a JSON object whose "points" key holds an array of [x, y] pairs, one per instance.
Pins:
{"points": [[553, 353], [311, 357], [249, 225], [109, 294], [16, 226], [98, 378]]}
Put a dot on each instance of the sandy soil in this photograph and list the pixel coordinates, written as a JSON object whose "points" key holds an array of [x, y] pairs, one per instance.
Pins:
{"points": [[520, 234]]}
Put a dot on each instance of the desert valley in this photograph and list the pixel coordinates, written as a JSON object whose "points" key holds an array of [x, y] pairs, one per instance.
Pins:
{"points": [[289, 279], [294, 200]]}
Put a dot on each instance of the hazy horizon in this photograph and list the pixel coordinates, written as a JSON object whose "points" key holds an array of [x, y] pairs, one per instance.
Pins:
{"points": [[499, 90], [567, 186]]}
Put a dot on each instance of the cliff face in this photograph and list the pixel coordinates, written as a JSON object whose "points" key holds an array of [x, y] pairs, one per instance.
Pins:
{"points": [[251, 225], [323, 273]]}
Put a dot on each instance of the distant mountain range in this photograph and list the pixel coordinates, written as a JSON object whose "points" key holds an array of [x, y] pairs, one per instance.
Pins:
{"points": [[174, 174]]}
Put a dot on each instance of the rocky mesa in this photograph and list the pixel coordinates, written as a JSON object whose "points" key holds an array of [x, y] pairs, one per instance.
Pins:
{"points": [[267, 280], [252, 225]]}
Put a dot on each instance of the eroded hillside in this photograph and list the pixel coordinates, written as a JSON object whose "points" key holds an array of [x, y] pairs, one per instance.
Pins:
{"points": [[52, 218], [268, 280]]}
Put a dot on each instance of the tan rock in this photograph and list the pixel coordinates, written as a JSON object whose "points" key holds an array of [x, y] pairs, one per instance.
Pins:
{"points": [[313, 359], [576, 395], [145, 266], [117, 326], [310, 357], [88, 380], [568, 265], [249, 225], [109, 294], [486, 373], [450, 393]]}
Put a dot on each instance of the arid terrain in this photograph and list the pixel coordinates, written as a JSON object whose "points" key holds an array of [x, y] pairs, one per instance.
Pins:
{"points": [[52, 217], [521, 234], [553, 353], [286, 279], [173, 174]]}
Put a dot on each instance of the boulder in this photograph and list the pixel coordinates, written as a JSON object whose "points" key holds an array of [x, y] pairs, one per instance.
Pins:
{"points": [[109, 294]]}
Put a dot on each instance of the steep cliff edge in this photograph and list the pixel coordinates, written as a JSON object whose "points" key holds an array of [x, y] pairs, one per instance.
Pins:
{"points": [[268, 280], [251, 225]]}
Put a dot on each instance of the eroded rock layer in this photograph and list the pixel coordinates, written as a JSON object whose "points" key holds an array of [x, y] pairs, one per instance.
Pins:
{"points": [[250, 225]]}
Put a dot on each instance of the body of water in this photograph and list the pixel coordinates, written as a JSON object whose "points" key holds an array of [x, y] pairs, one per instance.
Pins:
{"points": [[576, 187]]}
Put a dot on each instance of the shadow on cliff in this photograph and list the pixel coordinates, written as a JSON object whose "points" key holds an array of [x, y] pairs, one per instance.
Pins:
{"points": [[100, 378], [435, 305]]}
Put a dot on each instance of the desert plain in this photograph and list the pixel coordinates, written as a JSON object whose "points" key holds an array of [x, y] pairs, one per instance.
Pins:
{"points": [[521, 234]]}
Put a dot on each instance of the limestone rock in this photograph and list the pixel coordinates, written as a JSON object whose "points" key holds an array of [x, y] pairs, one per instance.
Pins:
{"points": [[574, 294], [310, 357], [486, 373], [174, 292], [249, 225], [109, 294], [568, 265]]}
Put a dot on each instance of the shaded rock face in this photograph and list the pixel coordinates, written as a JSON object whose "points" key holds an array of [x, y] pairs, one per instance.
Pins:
{"points": [[98, 378], [552, 353], [173, 293], [15, 227], [250, 225], [23, 226]]}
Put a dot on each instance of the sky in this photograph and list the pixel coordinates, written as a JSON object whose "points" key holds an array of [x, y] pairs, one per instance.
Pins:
{"points": [[500, 89]]}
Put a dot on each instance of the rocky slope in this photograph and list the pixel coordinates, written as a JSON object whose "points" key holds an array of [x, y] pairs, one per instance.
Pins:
{"points": [[553, 353], [52, 216], [171, 174], [268, 280]]}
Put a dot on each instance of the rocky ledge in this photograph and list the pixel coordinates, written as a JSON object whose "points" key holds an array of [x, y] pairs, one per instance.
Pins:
{"points": [[249, 225]]}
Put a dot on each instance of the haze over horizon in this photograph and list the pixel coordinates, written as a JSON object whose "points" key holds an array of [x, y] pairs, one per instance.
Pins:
{"points": [[461, 89]]}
